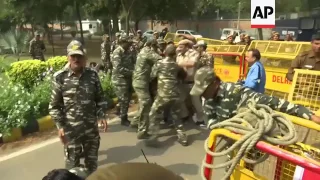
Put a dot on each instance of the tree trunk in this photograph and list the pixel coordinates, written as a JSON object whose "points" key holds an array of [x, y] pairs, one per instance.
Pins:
{"points": [[136, 25], [127, 23], [115, 24], [152, 24], [61, 30], [79, 19]]}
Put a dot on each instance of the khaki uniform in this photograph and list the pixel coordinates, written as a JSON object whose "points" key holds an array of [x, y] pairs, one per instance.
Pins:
{"points": [[186, 86], [229, 59], [305, 60]]}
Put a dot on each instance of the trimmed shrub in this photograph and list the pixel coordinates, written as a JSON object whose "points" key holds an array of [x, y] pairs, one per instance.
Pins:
{"points": [[26, 73], [57, 63]]}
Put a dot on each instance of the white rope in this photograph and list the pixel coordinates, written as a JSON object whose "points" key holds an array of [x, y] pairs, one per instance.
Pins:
{"points": [[255, 123]]}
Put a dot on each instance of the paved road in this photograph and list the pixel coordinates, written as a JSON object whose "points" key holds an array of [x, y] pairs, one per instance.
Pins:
{"points": [[117, 145]]}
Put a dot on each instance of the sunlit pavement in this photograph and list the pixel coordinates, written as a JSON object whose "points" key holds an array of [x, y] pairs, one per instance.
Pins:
{"points": [[118, 145]]}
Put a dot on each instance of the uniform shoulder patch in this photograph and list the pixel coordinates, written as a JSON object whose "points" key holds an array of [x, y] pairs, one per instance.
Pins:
{"points": [[59, 73]]}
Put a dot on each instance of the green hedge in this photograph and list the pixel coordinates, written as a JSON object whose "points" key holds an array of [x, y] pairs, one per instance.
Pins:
{"points": [[25, 92]]}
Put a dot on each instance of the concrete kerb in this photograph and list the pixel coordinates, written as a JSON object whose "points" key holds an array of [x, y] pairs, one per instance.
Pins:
{"points": [[43, 124]]}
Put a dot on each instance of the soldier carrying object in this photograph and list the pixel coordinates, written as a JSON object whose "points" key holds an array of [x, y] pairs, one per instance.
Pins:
{"points": [[308, 59], [123, 65], [77, 102], [141, 78], [222, 101], [168, 95], [105, 53], [37, 48]]}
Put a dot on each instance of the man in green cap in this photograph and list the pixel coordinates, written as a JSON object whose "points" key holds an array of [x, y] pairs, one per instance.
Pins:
{"points": [[77, 103], [147, 57], [37, 47], [168, 96], [222, 101], [123, 65]]}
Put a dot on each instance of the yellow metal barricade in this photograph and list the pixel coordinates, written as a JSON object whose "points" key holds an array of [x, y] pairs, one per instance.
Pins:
{"points": [[229, 63], [282, 163], [305, 89], [211, 41], [173, 37], [277, 57]]}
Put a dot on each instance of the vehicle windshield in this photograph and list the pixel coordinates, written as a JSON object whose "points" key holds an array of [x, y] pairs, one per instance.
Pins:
{"points": [[194, 33], [226, 32]]}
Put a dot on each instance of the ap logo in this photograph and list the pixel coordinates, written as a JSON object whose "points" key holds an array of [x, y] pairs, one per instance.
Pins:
{"points": [[263, 14]]}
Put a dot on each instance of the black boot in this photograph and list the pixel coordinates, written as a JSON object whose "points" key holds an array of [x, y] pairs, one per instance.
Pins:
{"points": [[125, 121]]}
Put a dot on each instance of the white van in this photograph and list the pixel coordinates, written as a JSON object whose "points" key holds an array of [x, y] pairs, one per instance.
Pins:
{"points": [[227, 31], [189, 32]]}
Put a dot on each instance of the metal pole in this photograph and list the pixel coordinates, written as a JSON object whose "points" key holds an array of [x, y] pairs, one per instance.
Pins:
{"points": [[218, 14], [239, 13]]}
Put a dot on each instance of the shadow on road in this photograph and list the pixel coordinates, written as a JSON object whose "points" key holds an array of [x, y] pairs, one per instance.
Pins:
{"points": [[182, 168]]}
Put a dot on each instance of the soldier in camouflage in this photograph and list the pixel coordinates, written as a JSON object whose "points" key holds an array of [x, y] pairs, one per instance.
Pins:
{"points": [[205, 58], [229, 59], [140, 41], [37, 48], [141, 79], [222, 101], [115, 43], [168, 94], [123, 65], [162, 46], [77, 102], [105, 53]]}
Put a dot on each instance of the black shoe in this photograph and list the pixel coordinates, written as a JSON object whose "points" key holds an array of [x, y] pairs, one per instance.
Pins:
{"points": [[125, 121], [201, 123]]}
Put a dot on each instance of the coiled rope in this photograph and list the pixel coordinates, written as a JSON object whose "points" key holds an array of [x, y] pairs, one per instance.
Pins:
{"points": [[255, 123]]}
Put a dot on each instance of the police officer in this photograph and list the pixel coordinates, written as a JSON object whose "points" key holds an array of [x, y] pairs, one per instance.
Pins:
{"points": [[77, 101], [276, 37], [229, 59], [123, 65], [223, 99], [37, 47], [308, 59], [105, 53], [242, 39], [147, 57]]}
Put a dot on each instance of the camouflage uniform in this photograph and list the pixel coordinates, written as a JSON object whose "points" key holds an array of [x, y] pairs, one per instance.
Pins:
{"points": [[168, 94], [76, 104], [206, 59], [115, 43], [229, 99], [141, 78], [36, 49], [105, 55], [123, 65]]}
